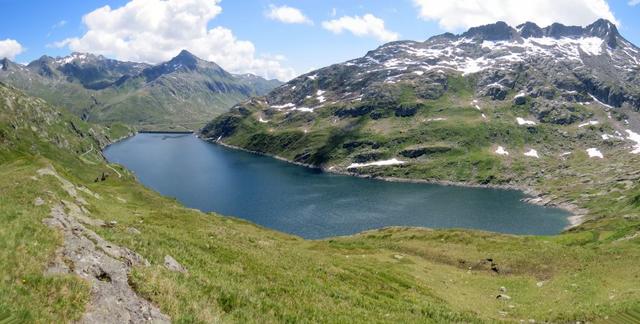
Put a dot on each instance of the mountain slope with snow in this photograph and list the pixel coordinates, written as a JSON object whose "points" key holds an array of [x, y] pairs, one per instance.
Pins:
{"points": [[572, 64], [499, 105]]}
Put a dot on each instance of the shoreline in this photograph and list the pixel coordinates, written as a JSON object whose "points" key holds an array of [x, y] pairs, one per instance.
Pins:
{"points": [[576, 217], [117, 140]]}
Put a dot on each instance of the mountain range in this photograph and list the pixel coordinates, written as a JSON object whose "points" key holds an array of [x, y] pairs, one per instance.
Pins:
{"points": [[495, 105], [185, 91]]}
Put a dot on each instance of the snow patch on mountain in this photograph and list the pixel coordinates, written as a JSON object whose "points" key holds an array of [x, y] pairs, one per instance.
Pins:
{"points": [[595, 153], [522, 121], [287, 105], [393, 161], [532, 153], [635, 137], [501, 151], [589, 123]]}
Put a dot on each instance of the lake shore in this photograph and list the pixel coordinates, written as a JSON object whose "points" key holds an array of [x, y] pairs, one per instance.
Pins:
{"points": [[535, 197]]}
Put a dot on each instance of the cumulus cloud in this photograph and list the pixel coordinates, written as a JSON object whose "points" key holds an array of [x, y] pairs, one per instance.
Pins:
{"points": [[9, 48], [153, 31], [634, 2], [456, 14], [287, 15], [367, 25]]}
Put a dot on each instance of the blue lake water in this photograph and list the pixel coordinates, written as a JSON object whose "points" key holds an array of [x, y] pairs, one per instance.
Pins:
{"points": [[313, 204]]}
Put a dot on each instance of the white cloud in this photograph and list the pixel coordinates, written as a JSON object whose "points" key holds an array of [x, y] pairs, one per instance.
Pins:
{"points": [[9, 48], [287, 15], [456, 14], [634, 2], [156, 30], [367, 25]]}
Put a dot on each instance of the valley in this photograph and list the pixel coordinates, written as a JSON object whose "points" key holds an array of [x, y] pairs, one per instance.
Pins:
{"points": [[236, 271], [551, 111]]}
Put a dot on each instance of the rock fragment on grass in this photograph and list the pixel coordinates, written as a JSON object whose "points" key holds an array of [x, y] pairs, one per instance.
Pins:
{"points": [[173, 265], [38, 202]]}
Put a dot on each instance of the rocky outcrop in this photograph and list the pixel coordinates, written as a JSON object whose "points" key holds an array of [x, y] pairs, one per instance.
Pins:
{"points": [[104, 265], [416, 152], [368, 156], [406, 110], [354, 111]]}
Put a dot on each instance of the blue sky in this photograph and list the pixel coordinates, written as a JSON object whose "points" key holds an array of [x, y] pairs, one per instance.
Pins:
{"points": [[248, 38]]}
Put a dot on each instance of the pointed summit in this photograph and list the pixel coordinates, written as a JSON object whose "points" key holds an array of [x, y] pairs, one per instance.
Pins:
{"points": [[606, 30], [43, 66], [5, 64], [186, 59], [184, 62]]}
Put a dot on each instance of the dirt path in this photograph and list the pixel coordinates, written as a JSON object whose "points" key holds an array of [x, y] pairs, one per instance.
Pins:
{"points": [[114, 170]]}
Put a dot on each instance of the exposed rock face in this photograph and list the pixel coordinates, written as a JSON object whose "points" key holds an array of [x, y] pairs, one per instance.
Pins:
{"points": [[106, 267], [368, 156], [420, 151], [520, 100], [103, 264], [406, 110], [173, 265]]}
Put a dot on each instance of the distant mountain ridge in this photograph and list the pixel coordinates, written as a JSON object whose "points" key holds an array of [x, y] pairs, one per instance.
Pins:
{"points": [[501, 31], [592, 61], [185, 90], [94, 72]]}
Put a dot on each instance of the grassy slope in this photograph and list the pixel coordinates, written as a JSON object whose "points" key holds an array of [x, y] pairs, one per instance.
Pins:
{"points": [[240, 272]]}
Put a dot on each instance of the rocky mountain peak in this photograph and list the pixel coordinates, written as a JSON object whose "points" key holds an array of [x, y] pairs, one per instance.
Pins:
{"points": [[43, 66], [185, 59], [44, 59], [530, 29], [4, 64], [602, 28], [493, 32], [606, 30], [500, 31]]}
